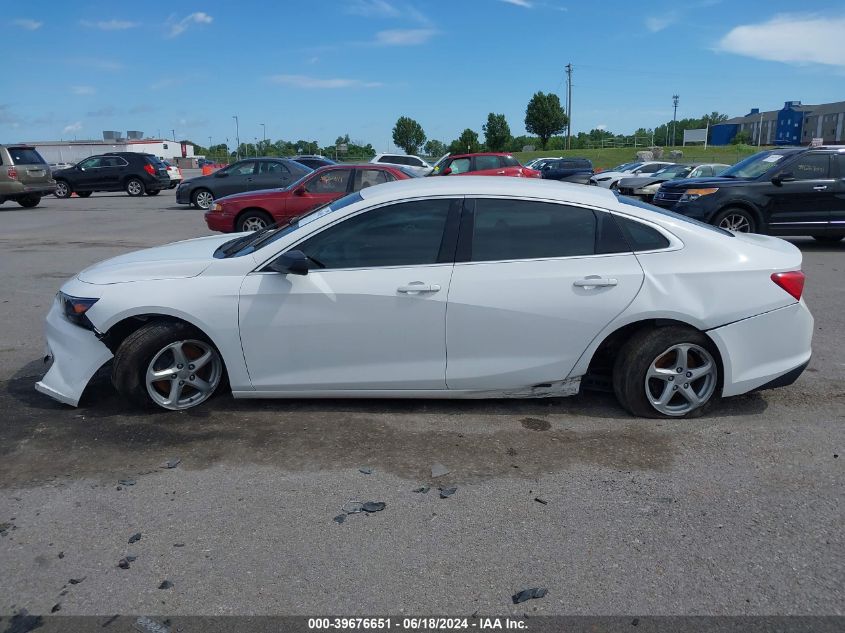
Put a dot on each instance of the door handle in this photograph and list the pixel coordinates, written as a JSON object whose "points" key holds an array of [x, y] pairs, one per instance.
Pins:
{"points": [[819, 187], [594, 281], [500, 173], [417, 287]]}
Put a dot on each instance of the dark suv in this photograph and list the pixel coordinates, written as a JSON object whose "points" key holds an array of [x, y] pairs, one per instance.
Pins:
{"points": [[785, 191], [24, 176], [132, 172]]}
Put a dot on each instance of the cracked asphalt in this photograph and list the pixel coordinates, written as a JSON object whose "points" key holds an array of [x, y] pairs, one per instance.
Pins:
{"points": [[738, 513]]}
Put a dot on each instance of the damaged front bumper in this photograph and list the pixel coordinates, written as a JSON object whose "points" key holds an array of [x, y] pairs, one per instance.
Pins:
{"points": [[74, 354]]}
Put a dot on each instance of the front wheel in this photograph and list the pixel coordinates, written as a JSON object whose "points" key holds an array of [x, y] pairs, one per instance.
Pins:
{"points": [[63, 190], [202, 199], [135, 187], [28, 202], [253, 221], [736, 220], [170, 365], [668, 372]]}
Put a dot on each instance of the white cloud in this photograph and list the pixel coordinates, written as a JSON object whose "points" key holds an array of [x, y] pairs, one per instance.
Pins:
{"points": [[601, 126], [790, 38], [373, 9], [28, 24], [177, 27], [658, 23], [83, 90], [110, 25], [303, 81], [520, 3], [404, 37], [73, 127]]}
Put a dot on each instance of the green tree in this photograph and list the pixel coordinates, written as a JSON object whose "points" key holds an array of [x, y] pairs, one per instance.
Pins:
{"points": [[544, 116], [497, 133], [408, 134], [435, 148], [741, 138], [466, 143]]}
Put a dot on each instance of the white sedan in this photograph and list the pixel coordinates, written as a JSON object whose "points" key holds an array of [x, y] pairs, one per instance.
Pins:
{"points": [[466, 287], [609, 178]]}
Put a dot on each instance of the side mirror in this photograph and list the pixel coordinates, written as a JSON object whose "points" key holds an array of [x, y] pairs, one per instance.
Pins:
{"points": [[299, 191], [447, 171], [293, 262], [783, 177]]}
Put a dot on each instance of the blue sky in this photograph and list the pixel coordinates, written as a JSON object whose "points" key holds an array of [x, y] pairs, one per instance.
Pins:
{"points": [[316, 70]]}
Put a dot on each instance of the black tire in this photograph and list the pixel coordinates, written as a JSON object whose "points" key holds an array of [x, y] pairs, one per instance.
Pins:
{"points": [[153, 192], [829, 239], [84, 194], [253, 220], [202, 199], [139, 349], [647, 346], [28, 202], [135, 187], [63, 189], [736, 219]]}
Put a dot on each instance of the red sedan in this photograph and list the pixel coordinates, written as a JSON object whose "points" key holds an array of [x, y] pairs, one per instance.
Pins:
{"points": [[254, 210], [483, 164]]}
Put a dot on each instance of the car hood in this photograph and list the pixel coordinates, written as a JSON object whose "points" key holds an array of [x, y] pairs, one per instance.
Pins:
{"points": [[640, 181], [178, 260], [691, 183]]}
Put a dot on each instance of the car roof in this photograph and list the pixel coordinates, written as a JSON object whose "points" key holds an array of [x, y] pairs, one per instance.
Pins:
{"points": [[480, 154], [487, 185]]}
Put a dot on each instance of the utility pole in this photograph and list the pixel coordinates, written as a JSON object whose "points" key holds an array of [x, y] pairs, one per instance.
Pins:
{"points": [[174, 135], [264, 142], [237, 138], [760, 131], [674, 117], [569, 106]]}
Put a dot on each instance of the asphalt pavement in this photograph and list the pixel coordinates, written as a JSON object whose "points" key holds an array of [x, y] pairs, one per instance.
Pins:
{"points": [[737, 513]]}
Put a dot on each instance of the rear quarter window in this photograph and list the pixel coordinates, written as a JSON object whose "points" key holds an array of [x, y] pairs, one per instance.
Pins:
{"points": [[670, 214], [641, 237]]}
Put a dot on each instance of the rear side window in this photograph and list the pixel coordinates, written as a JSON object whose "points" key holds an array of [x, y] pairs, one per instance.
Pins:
{"points": [[368, 177], [641, 237], [523, 229], [486, 162], [28, 156], [509, 161]]}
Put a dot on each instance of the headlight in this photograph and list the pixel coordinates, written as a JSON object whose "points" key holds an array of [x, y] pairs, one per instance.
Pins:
{"points": [[695, 194], [651, 188], [602, 179], [74, 309], [217, 207]]}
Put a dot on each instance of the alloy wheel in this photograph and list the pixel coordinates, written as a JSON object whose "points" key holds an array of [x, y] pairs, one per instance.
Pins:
{"points": [[134, 188], [61, 190], [183, 374], [735, 222], [204, 199], [681, 379], [253, 224]]}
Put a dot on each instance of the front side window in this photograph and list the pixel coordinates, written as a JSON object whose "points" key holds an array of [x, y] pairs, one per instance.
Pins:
{"points": [[91, 163], [368, 177], [486, 162], [523, 229], [811, 167], [242, 169], [460, 165], [331, 181], [404, 234]]}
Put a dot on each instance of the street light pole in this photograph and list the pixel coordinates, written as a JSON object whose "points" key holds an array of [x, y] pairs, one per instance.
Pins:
{"points": [[174, 135], [264, 142], [237, 138], [674, 117]]}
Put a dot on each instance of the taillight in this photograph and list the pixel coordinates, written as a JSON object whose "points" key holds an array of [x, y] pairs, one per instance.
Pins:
{"points": [[12, 173], [150, 169], [792, 282]]}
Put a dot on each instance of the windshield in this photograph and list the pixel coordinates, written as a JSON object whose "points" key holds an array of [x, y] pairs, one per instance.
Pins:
{"points": [[754, 166], [673, 170], [626, 166], [252, 242]]}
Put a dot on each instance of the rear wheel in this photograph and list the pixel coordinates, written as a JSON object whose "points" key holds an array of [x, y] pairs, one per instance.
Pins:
{"points": [[668, 372], [828, 239], [202, 199], [253, 220], [84, 194], [63, 189], [170, 365], [153, 192], [28, 202], [736, 220], [135, 187]]}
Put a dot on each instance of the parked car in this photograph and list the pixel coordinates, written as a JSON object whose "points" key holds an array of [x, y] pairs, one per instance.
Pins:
{"points": [[609, 179], [132, 172], [536, 163], [205, 162], [58, 166], [249, 174], [175, 174], [314, 161], [790, 191], [415, 163], [482, 164], [255, 210], [644, 187], [578, 170], [352, 301], [24, 176]]}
